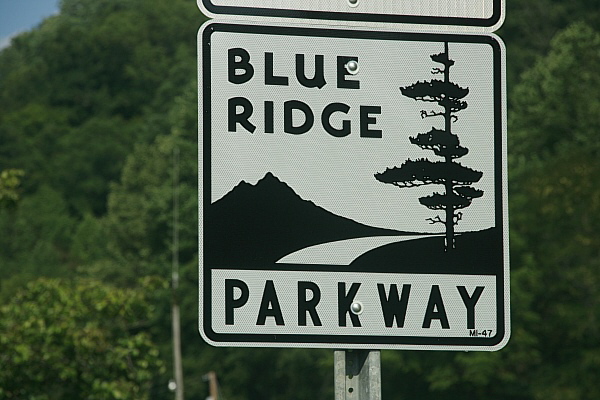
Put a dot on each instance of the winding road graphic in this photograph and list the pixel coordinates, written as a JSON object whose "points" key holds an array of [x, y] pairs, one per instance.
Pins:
{"points": [[342, 252]]}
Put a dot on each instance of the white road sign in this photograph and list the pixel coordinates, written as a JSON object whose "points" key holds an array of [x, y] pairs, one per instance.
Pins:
{"points": [[353, 189], [484, 14]]}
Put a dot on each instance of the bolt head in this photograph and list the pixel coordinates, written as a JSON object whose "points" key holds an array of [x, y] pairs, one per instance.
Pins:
{"points": [[352, 67], [356, 308]]}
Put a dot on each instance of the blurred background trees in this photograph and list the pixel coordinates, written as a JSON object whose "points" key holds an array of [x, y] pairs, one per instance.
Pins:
{"points": [[93, 102], [78, 339]]}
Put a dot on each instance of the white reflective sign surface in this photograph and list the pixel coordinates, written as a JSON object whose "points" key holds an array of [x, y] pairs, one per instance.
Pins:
{"points": [[345, 169]]}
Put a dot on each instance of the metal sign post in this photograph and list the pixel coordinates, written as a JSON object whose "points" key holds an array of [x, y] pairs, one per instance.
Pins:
{"points": [[357, 374]]}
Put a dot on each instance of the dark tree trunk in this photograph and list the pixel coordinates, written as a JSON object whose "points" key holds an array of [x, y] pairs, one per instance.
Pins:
{"points": [[449, 245]]}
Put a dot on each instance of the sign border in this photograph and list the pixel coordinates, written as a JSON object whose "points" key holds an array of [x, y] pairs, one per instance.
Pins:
{"points": [[493, 23], [348, 341]]}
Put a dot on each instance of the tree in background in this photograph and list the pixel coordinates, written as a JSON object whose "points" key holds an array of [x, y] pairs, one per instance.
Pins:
{"points": [[453, 176], [78, 94], [555, 215], [80, 91], [77, 340], [530, 26]]}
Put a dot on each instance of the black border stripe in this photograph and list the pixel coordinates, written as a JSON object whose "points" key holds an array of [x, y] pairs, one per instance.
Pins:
{"points": [[361, 17], [290, 340]]}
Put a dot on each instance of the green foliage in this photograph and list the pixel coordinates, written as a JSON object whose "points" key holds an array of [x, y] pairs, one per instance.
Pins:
{"points": [[29, 135], [10, 180], [82, 86], [79, 95], [35, 240], [530, 25], [556, 108], [77, 339], [277, 374], [556, 160]]}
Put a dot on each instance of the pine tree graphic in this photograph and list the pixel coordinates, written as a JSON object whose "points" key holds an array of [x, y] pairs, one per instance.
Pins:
{"points": [[454, 177]]}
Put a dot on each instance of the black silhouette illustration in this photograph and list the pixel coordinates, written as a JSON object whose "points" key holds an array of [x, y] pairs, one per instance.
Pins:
{"points": [[255, 225], [454, 177]]}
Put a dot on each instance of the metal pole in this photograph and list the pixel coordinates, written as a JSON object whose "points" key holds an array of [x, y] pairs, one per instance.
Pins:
{"points": [[177, 354], [177, 365], [357, 374], [213, 388]]}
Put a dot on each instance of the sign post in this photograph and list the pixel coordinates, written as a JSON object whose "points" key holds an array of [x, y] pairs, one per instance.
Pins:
{"points": [[357, 374], [353, 188]]}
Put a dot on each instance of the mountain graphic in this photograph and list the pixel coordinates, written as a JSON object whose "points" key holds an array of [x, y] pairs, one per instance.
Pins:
{"points": [[256, 225]]}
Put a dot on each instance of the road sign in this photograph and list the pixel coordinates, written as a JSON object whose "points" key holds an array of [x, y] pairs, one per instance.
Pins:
{"points": [[352, 188], [484, 14]]}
